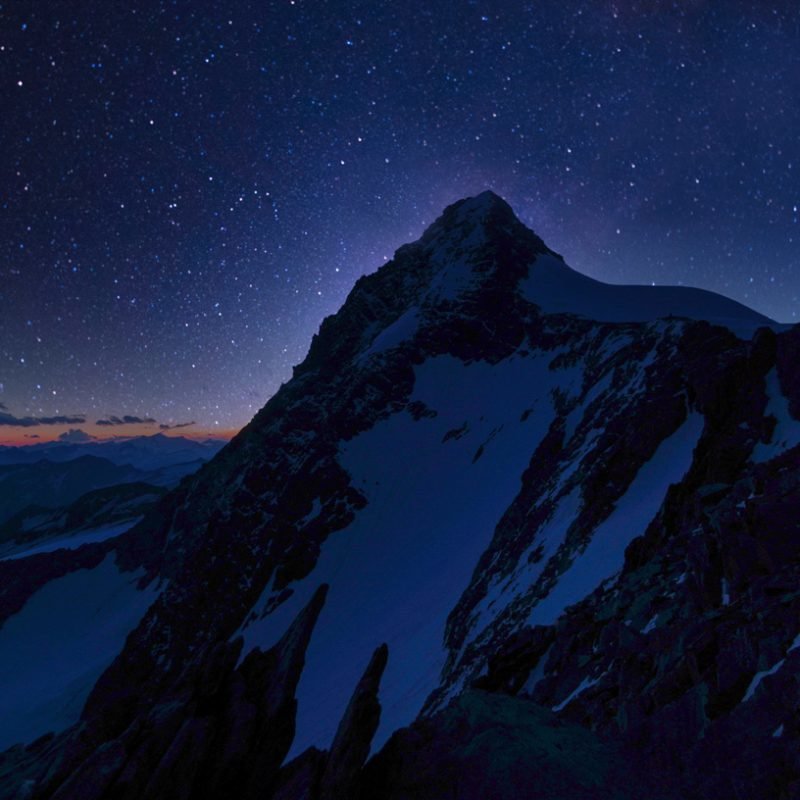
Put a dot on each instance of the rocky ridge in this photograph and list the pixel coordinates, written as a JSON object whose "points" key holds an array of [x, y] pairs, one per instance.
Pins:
{"points": [[634, 591]]}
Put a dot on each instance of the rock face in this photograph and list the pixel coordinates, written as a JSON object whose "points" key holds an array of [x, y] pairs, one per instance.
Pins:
{"points": [[488, 745], [570, 510]]}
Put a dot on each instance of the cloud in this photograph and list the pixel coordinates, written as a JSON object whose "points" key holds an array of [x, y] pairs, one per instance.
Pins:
{"points": [[126, 420], [32, 436], [31, 422], [3, 407], [75, 436], [165, 427]]}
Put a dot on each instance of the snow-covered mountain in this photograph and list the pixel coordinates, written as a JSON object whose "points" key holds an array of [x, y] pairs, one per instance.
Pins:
{"points": [[38, 529], [54, 474], [507, 528], [45, 484]]}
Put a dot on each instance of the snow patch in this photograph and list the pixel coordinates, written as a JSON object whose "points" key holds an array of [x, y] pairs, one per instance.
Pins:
{"points": [[651, 625], [401, 330], [316, 508], [72, 542], [576, 415], [726, 595], [537, 673], [758, 677], [556, 288], [456, 277], [549, 538], [585, 684], [605, 553], [55, 648], [787, 429]]}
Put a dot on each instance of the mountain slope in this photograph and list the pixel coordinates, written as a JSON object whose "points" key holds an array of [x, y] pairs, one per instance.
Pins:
{"points": [[44, 528], [46, 679], [499, 491]]}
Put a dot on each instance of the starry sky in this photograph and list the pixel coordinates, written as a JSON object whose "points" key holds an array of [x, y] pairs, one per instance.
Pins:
{"points": [[188, 188]]}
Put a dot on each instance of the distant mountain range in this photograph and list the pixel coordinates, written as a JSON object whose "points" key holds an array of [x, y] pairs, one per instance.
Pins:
{"points": [[141, 452], [507, 533], [56, 474]]}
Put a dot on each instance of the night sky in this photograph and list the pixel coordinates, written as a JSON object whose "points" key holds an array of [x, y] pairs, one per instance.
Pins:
{"points": [[188, 188]]}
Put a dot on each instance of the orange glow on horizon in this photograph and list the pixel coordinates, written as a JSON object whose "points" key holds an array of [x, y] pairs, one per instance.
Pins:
{"points": [[44, 434]]}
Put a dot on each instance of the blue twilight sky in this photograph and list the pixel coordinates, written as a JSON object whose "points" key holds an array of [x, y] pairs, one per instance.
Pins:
{"points": [[189, 187]]}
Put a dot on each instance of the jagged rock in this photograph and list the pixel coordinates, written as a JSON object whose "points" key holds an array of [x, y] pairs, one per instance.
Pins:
{"points": [[146, 751], [226, 734], [334, 775], [352, 742], [96, 774], [300, 778], [175, 774], [509, 668], [254, 717]]}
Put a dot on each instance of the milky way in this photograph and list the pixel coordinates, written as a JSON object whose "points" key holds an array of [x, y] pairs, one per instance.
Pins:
{"points": [[189, 187]]}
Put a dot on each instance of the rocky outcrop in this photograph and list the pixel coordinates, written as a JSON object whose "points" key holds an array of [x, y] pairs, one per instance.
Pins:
{"points": [[300, 778], [223, 731], [351, 745], [486, 745], [329, 775]]}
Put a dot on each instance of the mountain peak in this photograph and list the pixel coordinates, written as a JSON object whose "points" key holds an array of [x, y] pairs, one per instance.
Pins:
{"points": [[505, 495], [474, 218], [481, 203]]}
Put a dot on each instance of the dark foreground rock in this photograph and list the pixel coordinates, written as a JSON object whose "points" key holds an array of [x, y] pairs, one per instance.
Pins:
{"points": [[493, 746]]}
